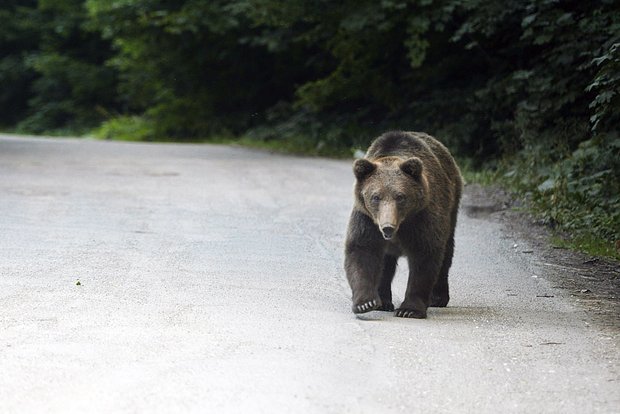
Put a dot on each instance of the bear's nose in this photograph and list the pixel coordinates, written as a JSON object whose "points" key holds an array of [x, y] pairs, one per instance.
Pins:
{"points": [[388, 232]]}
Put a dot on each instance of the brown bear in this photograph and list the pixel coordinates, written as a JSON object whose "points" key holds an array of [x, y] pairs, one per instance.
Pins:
{"points": [[407, 194]]}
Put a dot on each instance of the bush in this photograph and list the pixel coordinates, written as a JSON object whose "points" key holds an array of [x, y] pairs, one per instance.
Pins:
{"points": [[578, 195], [126, 128]]}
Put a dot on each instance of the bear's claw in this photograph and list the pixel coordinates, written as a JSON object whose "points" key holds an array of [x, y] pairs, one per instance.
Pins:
{"points": [[367, 306], [410, 313]]}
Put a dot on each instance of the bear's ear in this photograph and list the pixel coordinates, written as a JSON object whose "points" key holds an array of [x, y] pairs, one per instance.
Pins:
{"points": [[362, 168], [413, 167]]}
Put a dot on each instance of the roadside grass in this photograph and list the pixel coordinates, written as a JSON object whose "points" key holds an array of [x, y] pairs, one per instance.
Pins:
{"points": [[589, 244], [471, 174], [139, 129], [574, 224], [124, 128]]}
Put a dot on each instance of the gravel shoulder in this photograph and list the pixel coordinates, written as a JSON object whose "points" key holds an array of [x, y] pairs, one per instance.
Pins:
{"points": [[592, 283]]}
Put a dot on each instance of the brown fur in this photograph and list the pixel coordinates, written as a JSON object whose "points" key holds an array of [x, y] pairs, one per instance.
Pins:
{"points": [[407, 194]]}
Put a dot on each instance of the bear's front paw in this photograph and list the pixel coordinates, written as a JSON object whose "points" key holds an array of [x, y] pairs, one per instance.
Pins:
{"points": [[367, 306], [410, 313]]}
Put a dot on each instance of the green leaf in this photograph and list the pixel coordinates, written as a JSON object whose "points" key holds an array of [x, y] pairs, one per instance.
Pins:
{"points": [[546, 185]]}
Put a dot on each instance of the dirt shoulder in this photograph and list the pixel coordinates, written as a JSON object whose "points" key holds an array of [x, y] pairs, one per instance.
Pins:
{"points": [[594, 282]]}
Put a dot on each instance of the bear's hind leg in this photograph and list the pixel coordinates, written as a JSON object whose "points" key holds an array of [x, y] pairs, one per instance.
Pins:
{"points": [[385, 284], [441, 295], [422, 276]]}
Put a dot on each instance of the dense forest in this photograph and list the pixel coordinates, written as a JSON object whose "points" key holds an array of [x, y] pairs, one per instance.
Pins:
{"points": [[529, 88]]}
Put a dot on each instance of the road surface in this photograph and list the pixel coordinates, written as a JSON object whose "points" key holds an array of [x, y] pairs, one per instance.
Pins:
{"points": [[161, 278]]}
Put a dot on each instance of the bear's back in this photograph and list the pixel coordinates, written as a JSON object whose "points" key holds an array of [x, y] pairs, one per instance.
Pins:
{"points": [[399, 144], [409, 144]]}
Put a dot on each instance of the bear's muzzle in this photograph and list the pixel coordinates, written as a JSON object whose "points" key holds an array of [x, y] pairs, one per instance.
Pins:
{"points": [[388, 232]]}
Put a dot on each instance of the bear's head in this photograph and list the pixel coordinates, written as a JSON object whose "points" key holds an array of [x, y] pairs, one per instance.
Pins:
{"points": [[390, 189]]}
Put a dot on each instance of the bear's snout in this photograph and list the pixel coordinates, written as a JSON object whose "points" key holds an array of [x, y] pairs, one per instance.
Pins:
{"points": [[387, 219], [388, 232]]}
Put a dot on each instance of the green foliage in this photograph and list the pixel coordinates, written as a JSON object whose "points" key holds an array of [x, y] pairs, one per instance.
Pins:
{"points": [[126, 128], [53, 69], [578, 195], [68, 92], [583, 190], [196, 68], [589, 244], [18, 35], [488, 77], [606, 85], [541, 54]]}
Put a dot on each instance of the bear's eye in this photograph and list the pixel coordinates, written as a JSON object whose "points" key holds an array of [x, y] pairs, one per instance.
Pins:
{"points": [[400, 198], [375, 198]]}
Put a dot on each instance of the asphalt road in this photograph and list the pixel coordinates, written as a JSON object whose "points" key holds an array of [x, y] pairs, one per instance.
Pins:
{"points": [[211, 280]]}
